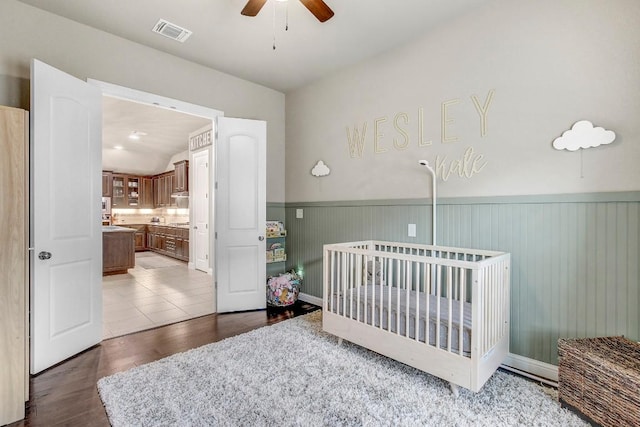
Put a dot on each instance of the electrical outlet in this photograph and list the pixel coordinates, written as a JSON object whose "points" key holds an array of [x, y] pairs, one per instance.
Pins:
{"points": [[411, 230], [299, 213]]}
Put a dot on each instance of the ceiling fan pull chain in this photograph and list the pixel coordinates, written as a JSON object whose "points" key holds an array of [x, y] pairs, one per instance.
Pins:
{"points": [[274, 25]]}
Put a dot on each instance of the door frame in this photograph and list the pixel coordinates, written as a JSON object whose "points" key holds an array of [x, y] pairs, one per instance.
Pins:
{"points": [[134, 95]]}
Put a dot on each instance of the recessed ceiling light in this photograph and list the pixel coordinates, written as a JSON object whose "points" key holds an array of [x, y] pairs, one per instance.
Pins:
{"points": [[136, 134], [118, 147]]}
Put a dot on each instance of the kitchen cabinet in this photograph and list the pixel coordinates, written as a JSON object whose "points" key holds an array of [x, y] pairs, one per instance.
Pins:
{"points": [[158, 191], [107, 182], [126, 191], [118, 250], [140, 236], [163, 187], [14, 284], [118, 185], [131, 191], [169, 240], [182, 244], [181, 176], [170, 188], [146, 193]]}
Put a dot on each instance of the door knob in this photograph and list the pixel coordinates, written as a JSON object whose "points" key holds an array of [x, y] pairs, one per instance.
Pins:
{"points": [[261, 238], [44, 255]]}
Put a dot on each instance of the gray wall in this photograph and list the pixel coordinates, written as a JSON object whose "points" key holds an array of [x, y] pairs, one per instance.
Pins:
{"points": [[549, 63], [27, 32], [575, 259]]}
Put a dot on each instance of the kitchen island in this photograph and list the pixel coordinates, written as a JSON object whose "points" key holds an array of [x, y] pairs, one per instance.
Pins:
{"points": [[118, 250]]}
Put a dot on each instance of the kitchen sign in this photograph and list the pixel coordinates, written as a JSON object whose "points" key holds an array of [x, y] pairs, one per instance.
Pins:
{"points": [[200, 140]]}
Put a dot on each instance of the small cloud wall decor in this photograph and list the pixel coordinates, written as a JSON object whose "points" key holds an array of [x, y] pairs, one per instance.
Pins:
{"points": [[320, 169], [583, 135]]}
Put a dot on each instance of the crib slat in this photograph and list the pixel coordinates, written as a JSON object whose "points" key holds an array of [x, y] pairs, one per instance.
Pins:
{"points": [[427, 330], [381, 304], [366, 282], [398, 285], [450, 305], [417, 312], [461, 317], [360, 272], [407, 275], [438, 295], [373, 291], [389, 278], [332, 280]]}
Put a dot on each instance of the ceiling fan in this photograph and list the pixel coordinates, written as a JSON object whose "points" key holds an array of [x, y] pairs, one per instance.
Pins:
{"points": [[318, 8]]}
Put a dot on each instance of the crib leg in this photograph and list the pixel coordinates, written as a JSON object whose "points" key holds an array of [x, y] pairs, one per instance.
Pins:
{"points": [[339, 342], [454, 389]]}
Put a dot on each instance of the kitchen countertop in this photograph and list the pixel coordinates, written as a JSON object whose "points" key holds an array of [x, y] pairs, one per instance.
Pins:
{"points": [[169, 224], [115, 228], [159, 224]]}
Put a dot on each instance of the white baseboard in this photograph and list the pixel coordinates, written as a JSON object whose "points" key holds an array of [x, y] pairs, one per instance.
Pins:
{"points": [[310, 299], [532, 368]]}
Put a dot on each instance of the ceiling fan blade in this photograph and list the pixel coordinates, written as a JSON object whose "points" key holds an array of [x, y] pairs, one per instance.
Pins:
{"points": [[253, 7], [319, 9]]}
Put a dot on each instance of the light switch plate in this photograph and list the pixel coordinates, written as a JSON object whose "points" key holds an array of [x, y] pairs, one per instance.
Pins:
{"points": [[411, 230], [299, 213]]}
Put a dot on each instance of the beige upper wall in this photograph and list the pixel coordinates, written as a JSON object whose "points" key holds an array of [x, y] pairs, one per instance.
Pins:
{"points": [[27, 32], [548, 64]]}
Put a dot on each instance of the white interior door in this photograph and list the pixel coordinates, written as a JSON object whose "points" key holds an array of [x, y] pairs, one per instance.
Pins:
{"points": [[240, 207], [200, 202], [66, 232]]}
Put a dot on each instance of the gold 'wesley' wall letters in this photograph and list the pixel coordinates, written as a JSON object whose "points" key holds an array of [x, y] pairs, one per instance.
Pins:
{"points": [[469, 163]]}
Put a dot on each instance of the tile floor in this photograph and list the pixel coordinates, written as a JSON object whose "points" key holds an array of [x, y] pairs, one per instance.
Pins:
{"points": [[158, 291]]}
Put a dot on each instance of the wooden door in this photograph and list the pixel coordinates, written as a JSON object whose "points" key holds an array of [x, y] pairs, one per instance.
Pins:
{"points": [[14, 380], [240, 214], [66, 230]]}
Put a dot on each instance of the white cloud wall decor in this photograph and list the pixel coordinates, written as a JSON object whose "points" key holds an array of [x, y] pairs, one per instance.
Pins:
{"points": [[320, 169], [583, 135]]}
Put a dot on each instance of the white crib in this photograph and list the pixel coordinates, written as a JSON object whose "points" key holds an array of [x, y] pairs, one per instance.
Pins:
{"points": [[442, 310]]}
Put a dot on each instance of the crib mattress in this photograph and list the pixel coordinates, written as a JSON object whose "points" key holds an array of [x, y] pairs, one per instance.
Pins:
{"points": [[348, 306]]}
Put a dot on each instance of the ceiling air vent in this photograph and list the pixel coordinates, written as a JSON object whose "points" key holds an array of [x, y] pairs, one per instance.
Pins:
{"points": [[172, 31]]}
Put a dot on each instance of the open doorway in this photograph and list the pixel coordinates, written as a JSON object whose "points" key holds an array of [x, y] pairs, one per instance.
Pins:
{"points": [[165, 286]]}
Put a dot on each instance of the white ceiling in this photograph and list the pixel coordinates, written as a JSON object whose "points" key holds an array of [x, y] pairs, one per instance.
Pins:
{"points": [[166, 132], [243, 46]]}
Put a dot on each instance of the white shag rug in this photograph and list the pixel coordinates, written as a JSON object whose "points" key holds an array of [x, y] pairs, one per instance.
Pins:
{"points": [[293, 374]]}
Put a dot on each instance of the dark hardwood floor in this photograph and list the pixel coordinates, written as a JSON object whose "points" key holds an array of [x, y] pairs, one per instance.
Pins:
{"points": [[66, 394]]}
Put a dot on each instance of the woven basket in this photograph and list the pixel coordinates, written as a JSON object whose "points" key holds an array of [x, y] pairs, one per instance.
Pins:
{"points": [[600, 377]]}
